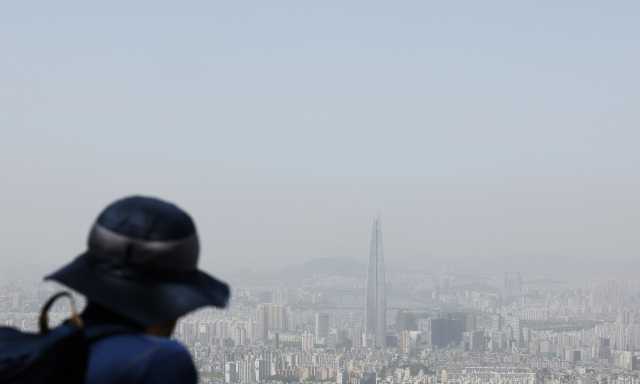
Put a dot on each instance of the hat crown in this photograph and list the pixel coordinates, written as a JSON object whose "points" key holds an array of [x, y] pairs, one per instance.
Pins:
{"points": [[146, 232], [142, 263], [147, 218]]}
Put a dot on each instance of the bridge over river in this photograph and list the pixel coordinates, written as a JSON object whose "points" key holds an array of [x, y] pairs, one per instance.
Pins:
{"points": [[360, 294], [354, 300]]}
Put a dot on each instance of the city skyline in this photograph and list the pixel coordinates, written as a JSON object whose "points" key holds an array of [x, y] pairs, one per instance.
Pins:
{"points": [[586, 326], [499, 140]]}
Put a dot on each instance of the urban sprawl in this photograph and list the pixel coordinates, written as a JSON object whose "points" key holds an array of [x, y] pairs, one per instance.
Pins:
{"points": [[398, 328]]}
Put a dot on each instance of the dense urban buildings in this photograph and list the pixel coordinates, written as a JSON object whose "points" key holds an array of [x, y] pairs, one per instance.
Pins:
{"points": [[442, 327], [574, 330]]}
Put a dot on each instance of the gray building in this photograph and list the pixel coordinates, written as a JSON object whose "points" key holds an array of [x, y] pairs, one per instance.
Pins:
{"points": [[230, 373], [376, 304], [322, 326]]}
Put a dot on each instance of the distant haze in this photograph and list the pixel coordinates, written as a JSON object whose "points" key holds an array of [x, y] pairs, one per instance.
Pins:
{"points": [[477, 130]]}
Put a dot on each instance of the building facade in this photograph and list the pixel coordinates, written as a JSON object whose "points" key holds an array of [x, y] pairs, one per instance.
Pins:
{"points": [[376, 301]]}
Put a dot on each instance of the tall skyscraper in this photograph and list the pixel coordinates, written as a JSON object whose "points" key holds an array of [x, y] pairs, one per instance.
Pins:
{"points": [[376, 304]]}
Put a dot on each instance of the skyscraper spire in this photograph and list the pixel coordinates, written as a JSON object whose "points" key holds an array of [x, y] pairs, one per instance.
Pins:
{"points": [[376, 304]]}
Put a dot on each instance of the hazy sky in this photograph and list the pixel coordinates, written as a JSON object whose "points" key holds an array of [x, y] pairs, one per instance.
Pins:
{"points": [[477, 129]]}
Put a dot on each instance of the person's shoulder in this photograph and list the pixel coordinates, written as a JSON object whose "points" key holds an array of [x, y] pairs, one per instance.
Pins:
{"points": [[143, 340], [151, 346], [169, 363], [169, 346], [143, 359]]}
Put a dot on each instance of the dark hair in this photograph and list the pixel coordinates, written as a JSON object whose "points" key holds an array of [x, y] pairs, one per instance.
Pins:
{"points": [[95, 314]]}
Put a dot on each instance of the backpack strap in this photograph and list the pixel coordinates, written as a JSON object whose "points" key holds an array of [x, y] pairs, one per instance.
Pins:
{"points": [[75, 319], [54, 356]]}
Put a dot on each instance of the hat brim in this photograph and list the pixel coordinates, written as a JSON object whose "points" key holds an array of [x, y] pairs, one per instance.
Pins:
{"points": [[145, 302]]}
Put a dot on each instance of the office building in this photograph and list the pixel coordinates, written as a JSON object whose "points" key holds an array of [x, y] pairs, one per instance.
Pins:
{"points": [[376, 299], [405, 321], [322, 325], [470, 322], [445, 332], [476, 340]]}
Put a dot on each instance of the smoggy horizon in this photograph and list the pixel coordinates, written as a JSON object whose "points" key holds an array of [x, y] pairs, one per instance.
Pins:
{"points": [[478, 131]]}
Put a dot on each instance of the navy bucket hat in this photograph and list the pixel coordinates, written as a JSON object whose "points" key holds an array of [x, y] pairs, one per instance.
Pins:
{"points": [[141, 263]]}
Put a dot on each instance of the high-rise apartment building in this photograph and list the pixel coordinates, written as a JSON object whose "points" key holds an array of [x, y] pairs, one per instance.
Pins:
{"points": [[239, 336], [307, 341], [262, 318], [259, 367], [254, 330], [496, 323], [278, 317], [224, 330], [515, 325], [505, 281], [376, 301], [356, 338], [519, 282], [230, 373]]}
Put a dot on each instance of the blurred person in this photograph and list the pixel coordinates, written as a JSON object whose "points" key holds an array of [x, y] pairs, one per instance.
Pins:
{"points": [[140, 275]]}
